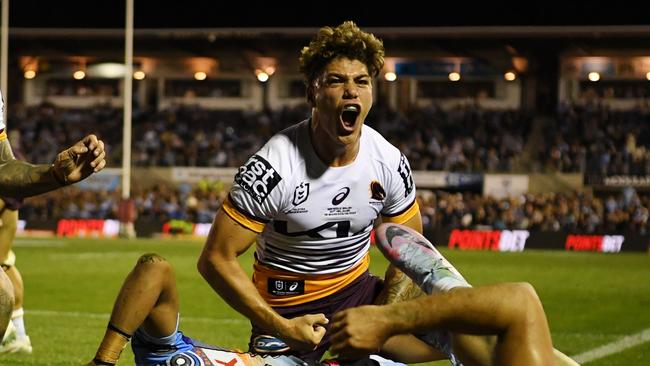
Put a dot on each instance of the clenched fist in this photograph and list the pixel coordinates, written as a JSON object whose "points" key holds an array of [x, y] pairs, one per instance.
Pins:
{"points": [[80, 160]]}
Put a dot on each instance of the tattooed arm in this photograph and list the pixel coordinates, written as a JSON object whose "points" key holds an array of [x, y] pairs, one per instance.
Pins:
{"points": [[398, 287], [22, 179]]}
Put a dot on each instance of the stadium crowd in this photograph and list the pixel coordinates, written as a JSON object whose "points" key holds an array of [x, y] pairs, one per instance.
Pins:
{"points": [[627, 211], [594, 139], [460, 140], [591, 138]]}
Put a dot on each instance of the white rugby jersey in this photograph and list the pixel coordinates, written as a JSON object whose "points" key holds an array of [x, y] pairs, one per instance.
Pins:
{"points": [[315, 219]]}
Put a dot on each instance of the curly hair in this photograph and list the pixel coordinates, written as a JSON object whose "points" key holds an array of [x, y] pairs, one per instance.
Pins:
{"points": [[346, 40]]}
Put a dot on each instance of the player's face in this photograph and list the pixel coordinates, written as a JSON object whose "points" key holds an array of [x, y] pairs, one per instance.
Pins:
{"points": [[342, 99]]}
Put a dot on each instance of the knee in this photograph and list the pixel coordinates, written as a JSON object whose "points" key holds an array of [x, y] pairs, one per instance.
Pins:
{"points": [[9, 222], [529, 304], [153, 262], [8, 261], [6, 296], [526, 292]]}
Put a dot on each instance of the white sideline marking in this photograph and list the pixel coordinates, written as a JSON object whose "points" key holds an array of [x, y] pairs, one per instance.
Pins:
{"points": [[38, 243], [74, 314], [87, 255], [614, 347]]}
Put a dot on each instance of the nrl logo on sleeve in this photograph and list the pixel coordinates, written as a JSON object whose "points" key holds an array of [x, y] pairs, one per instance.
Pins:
{"points": [[258, 178], [301, 193], [405, 172]]}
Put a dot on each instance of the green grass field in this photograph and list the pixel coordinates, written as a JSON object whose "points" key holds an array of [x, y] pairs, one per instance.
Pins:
{"points": [[591, 299]]}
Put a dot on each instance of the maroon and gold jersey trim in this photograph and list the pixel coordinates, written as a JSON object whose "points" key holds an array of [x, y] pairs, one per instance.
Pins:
{"points": [[403, 216], [316, 286], [242, 218]]}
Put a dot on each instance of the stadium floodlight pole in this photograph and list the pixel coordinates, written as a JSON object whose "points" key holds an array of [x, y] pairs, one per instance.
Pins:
{"points": [[128, 93], [4, 52]]}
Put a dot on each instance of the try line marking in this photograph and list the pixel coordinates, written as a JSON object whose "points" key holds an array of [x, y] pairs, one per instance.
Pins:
{"points": [[613, 347], [582, 358], [75, 314]]}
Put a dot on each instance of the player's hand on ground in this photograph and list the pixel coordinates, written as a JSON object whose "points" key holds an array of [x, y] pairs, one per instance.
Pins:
{"points": [[358, 332], [305, 332], [80, 160]]}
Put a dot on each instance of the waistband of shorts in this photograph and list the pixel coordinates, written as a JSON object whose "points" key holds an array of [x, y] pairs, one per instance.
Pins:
{"points": [[315, 286]]}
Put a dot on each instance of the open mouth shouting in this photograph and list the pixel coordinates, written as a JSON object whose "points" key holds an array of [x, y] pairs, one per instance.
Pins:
{"points": [[349, 116]]}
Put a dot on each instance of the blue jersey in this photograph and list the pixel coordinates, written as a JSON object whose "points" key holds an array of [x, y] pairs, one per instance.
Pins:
{"points": [[180, 350]]}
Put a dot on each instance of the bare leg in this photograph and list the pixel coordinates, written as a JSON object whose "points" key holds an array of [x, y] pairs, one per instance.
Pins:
{"points": [[520, 324], [473, 349], [523, 337], [6, 302], [19, 341], [7, 234], [398, 287], [397, 241], [148, 298], [19, 290]]}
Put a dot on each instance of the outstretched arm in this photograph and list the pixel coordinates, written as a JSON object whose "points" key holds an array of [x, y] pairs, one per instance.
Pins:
{"points": [[22, 179], [523, 337]]}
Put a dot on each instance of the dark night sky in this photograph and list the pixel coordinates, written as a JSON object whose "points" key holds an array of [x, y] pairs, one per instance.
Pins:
{"points": [[311, 13]]}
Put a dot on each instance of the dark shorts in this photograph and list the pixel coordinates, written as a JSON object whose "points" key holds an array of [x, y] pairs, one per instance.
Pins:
{"points": [[12, 203], [362, 291]]}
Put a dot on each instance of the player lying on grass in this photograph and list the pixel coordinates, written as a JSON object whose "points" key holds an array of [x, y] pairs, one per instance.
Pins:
{"points": [[146, 312]]}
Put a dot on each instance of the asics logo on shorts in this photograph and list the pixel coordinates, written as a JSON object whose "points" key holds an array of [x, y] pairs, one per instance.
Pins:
{"points": [[280, 287]]}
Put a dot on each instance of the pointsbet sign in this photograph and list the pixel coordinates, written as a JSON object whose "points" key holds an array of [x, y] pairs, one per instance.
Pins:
{"points": [[497, 240], [518, 240], [595, 243]]}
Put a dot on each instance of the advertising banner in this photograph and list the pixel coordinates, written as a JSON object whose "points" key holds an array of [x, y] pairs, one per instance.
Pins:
{"points": [[519, 240]]}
